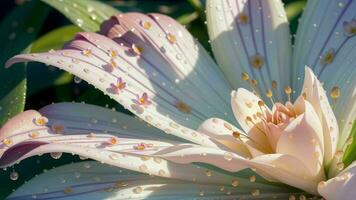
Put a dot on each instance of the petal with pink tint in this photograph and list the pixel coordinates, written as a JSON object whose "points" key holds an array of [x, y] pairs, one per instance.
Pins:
{"points": [[315, 94], [340, 187], [284, 168], [133, 154], [225, 133], [303, 139], [87, 64]]}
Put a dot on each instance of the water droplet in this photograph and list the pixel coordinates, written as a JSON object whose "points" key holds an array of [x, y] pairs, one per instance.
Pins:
{"points": [[79, 22], [14, 176], [228, 156], [114, 156], [77, 79], [56, 155]]}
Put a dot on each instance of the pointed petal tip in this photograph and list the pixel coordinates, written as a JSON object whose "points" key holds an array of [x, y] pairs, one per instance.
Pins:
{"points": [[19, 123]]}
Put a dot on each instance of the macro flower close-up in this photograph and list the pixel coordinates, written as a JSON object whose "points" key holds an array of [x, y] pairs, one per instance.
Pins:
{"points": [[256, 112]]}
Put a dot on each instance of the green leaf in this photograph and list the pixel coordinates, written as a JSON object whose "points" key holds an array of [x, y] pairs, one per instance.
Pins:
{"points": [[18, 29], [88, 14], [54, 77], [350, 152]]}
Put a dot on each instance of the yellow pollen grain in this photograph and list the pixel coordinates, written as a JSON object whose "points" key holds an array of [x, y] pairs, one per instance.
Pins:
{"points": [[113, 141], [236, 134], [113, 53], [68, 190], [7, 142], [335, 93], [137, 49], [41, 121], [243, 18], [171, 38], [33, 135], [328, 57], [257, 61], [244, 76], [183, 107], [57, 128], [146, 25], [87, 52]]}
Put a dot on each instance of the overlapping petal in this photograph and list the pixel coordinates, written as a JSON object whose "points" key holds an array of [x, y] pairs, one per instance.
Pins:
{"points": [[315, 94], [25, 135], [91, 180], [162, 82], [340, 187], [324, 42], [251, 37]]}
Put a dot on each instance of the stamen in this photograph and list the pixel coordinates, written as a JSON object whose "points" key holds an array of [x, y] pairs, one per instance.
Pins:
{"points": [[288, 91], [335, 94], [269, 94], [274, 87]]}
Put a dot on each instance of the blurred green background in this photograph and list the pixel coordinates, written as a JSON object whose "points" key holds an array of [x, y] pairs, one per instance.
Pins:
{"points": [[36, 26]]}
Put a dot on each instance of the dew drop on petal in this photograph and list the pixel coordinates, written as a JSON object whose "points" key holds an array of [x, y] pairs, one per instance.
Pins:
{"points": [[228, 156], [56, 155], [14, 176], [77, 79]]}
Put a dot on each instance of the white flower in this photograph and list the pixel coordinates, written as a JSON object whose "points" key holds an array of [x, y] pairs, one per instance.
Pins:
{"points": [[150, 64]]}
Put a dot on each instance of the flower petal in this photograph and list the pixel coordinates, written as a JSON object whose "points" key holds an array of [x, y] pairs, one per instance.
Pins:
{"points": [[85, 118], [246, 105], [284, 168], [88, 58], [304, 131], [26, 139], [340, 187], [324, 44], [91, 180], [257, 44], [223, 132], [315, 94]]}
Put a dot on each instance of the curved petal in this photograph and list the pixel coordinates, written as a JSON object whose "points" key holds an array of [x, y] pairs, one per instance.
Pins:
{"points": [[86, 118], [304, 131], [223, 132], [340, 187], [251, 37], [325, 43], [26, 135], [283, 168], [315, 94], [246, 105], [160, 86], [91, 180]]}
